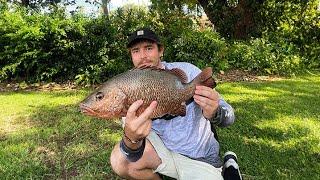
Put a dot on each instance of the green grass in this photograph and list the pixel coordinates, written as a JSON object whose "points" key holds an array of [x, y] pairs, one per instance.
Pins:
{"points": [[276, 135], [277, 132], [43, 135]]}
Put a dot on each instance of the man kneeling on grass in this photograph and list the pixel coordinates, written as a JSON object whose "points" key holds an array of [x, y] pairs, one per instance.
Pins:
{"points": [[182, 147]]}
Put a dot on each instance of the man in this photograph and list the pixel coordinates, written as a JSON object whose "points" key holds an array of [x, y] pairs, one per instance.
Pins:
{"points": [[181, 147]]}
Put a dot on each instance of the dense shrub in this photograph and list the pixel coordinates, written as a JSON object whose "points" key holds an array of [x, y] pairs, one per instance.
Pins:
{"points": [[264, 57], [204, 48], [55, 47], [38, 47], [294, 23], [110, 38]]}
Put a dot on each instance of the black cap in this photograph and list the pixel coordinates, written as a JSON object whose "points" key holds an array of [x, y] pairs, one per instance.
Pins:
{"points": [[142, 34]]}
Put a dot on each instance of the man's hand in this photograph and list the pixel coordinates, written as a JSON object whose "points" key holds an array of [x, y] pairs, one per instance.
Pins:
{"points": [[208, 100], [138, 127]]}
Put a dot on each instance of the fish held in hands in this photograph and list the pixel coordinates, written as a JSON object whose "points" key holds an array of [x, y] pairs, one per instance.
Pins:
{"points": [[168, 87]]}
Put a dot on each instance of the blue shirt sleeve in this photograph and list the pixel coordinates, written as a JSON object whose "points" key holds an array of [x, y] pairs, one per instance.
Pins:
{"points": [[224, 116]]}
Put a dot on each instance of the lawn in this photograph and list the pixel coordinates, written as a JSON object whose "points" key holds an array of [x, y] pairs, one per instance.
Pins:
{"points": [[276, 136]]}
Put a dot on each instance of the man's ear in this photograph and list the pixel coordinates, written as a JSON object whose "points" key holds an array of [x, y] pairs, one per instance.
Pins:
{"points": [[161, 50]]}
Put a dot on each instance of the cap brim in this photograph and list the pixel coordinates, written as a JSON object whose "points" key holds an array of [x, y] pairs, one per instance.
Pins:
{"points": [[140, 38]]}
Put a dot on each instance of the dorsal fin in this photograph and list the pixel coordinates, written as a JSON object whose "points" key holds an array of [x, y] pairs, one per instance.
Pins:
{"points": [[205, 78], [175, 71], [180, 73]]}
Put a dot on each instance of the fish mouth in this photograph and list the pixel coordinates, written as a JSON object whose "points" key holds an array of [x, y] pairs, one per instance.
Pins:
{"points": [[88, 111]]}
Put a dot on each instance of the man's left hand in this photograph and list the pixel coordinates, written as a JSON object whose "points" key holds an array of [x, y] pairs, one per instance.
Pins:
{"points": [[208, 100]]}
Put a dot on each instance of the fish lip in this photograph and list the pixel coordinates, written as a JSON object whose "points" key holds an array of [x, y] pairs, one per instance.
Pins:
{"points": [[88, 111], [85, 109]]}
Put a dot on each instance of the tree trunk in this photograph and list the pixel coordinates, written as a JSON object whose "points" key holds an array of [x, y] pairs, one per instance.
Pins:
{"points": [[25, 3], [244, 24], [231, 22], [105, 7]]}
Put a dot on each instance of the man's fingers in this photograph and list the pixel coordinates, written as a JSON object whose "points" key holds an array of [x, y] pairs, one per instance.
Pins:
{"points": [[202, 101], [131, 114], [199, 87], [206, 92], [149, 110], [133, 108], [144, 129]]}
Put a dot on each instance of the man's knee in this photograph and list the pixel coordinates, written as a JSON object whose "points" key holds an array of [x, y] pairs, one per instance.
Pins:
{"points": [[142, 168], [118, 163]]}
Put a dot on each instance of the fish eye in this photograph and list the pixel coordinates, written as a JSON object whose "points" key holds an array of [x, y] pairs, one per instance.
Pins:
{"points": [[99, 96]]}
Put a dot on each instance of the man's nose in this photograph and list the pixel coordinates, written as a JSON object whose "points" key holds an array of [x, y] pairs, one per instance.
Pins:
{"points": [[143, 54]]}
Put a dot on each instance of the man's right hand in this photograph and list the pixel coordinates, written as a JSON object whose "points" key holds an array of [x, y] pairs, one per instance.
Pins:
{"points": [[138, 127]]}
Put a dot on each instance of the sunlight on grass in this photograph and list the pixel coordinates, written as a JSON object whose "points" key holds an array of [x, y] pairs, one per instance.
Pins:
{"points": [[43, 135], [110, 135], [276, 133], [20, 105], [292, 131], [81, 148]]}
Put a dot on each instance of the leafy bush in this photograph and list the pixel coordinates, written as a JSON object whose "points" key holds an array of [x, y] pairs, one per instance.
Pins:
{"points": [[266, 57], [204, 48], [55, 47], [296, 23], [38, 47], [110, 38]]}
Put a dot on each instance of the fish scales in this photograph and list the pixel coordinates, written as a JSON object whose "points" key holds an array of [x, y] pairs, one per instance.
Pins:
{"points": [[167, 87], [151, 85]]}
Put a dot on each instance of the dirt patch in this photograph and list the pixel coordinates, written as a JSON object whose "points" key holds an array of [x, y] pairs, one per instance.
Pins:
{"points": [[240, 76], [37, 86], [228, 76]]}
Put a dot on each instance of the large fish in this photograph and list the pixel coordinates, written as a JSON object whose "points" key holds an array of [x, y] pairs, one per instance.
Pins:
{"points": [[168, 87]]}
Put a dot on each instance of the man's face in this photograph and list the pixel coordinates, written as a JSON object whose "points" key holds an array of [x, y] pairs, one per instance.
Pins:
{"points": [[146, 53]]}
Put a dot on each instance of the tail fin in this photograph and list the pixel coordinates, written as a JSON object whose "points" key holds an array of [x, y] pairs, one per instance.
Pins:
{"points": [[205, 78]]}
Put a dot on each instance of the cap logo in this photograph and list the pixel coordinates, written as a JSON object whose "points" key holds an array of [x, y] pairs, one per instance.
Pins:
{"points": [[139, 33]]}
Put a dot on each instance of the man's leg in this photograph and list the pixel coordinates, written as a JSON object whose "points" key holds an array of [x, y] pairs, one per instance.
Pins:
{"points": [[141, 169]]}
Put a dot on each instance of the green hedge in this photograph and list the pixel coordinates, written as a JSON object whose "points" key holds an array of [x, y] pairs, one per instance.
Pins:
{"points": [[202, 48], [39, 47], [55, 47], [265, 57]]}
